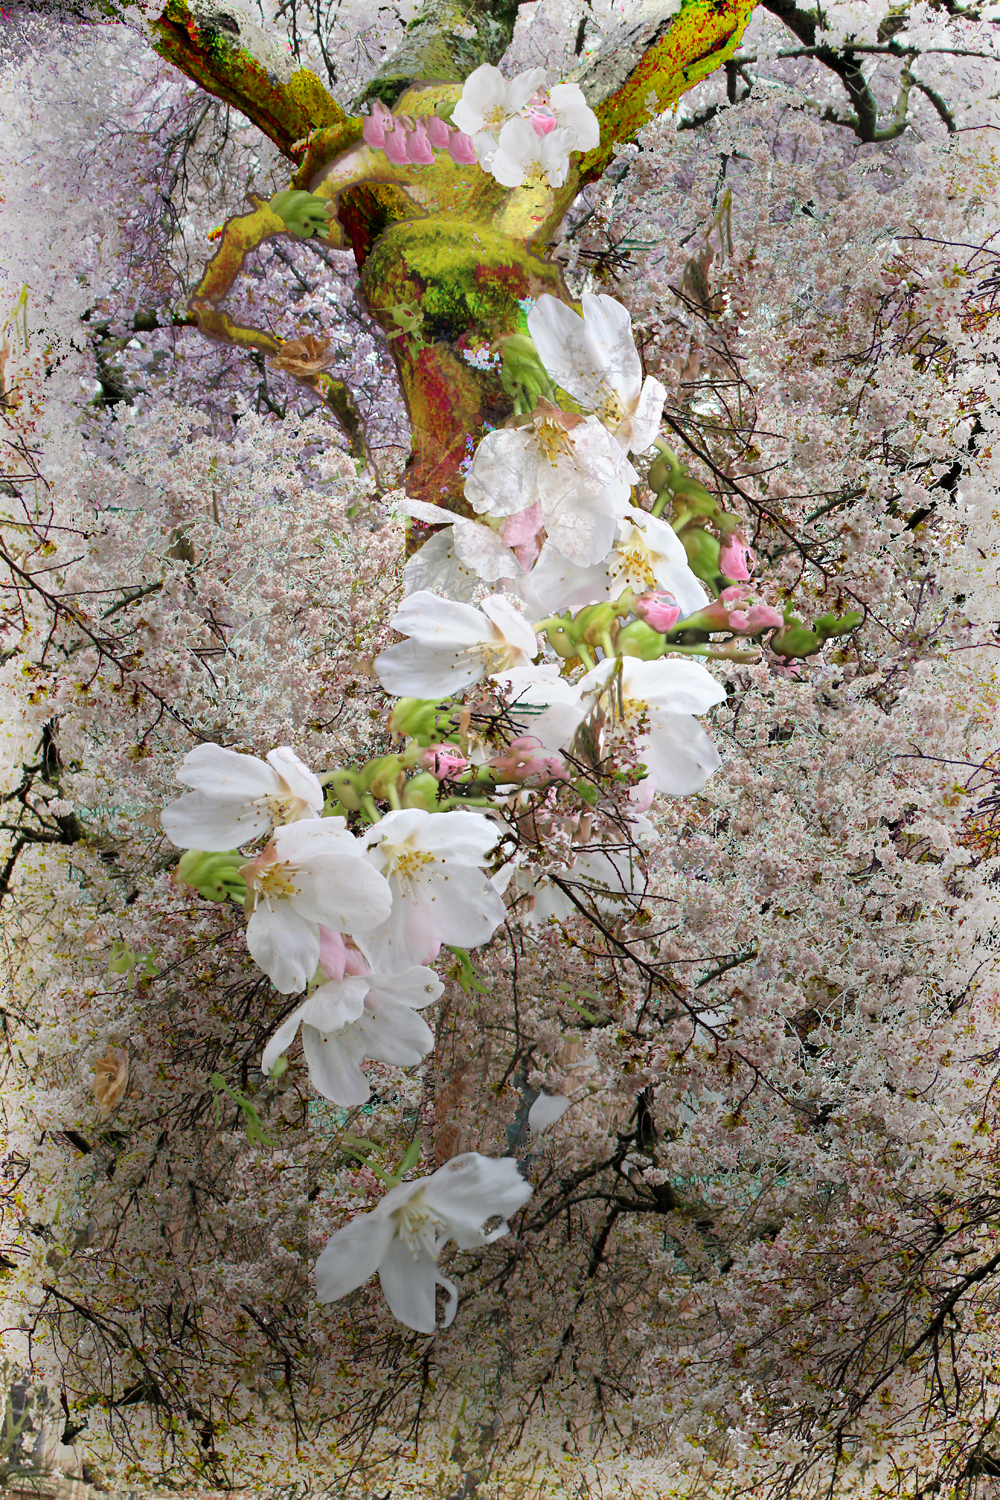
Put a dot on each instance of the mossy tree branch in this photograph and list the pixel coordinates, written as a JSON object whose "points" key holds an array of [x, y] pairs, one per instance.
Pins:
{"points": [[218, 46]]}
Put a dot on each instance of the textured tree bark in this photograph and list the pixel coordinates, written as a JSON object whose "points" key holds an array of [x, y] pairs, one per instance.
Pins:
{"points": [[469, 253]]}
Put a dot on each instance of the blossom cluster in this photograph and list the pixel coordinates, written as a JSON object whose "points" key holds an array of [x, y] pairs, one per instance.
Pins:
{"points": [[518, 131]]}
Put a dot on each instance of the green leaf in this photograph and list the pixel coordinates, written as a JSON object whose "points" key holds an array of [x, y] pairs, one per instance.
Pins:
{"points": [[256, 1134], [466, 974]]}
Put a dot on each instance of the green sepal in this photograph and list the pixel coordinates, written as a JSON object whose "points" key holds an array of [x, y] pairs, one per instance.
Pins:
{"points": [[829, 625], [137, 966], [256, 1134], [214, 874], [466, 975], [640, 639]]}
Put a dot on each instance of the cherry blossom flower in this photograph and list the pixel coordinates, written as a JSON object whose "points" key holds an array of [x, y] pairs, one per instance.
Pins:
{"points": [[604, 878], [238, 797], [647, 554], [523, 156], [570, 465], [452, 645], [310, 873], [658, 699], [477, 545], [488, 101], [595, 360], [433, 864], [403, 1236], [358, 1016], [543, 704]]}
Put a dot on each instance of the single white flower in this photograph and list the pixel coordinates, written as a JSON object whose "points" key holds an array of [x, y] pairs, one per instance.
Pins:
{"points": [[522, 155], [358, 1016], [310, 873], [658, 698], [648, 554], [452, 645], [477, 546], [595, 360], [238, 797], [573, 467], [488, 101], [403, 1236], [574, 114], [440, 894]]}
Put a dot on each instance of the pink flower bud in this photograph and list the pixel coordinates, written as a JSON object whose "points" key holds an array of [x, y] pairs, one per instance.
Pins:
{"points": [[461, 149], [376, 125], [542, 119], [395, 146], [659, 609], [442, 761], [762, 617], [733, 595], [438, 132], [418, 147], [735, 557]]}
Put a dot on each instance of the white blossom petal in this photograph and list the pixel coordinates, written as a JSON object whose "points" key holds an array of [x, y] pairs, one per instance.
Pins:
{"points": [[334, 1005], [282, 1039], [200, 821], [227, 774], [409, 1283], [334, 1063], [302, 783], [573, 113], [436, 568], [353, 1254], [678, 755], [394, 1033], [545, 1111], [470, 1189], [284, 945]]}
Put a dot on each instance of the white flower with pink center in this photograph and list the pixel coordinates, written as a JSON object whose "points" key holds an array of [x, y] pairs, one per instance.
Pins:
{"points": [[311, 873], [571, 466]]}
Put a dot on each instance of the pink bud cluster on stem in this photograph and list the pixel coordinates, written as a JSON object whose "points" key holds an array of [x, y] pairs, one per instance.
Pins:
{"points": [[406, 141]]}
